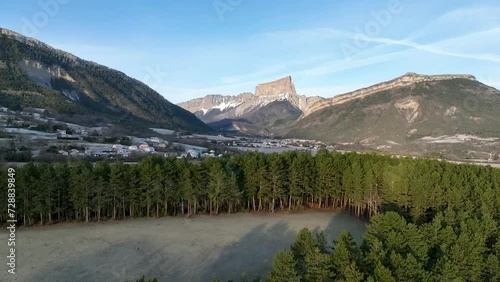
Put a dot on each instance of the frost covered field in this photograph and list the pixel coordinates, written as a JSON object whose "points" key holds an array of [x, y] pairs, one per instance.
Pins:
{"points": [[172, 249]]}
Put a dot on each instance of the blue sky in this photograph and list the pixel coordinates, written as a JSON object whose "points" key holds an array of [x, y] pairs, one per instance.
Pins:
{"points": [[190, 48]]}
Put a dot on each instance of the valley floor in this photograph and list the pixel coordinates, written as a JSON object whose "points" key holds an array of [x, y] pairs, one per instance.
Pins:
{"points": [[171, 249]]}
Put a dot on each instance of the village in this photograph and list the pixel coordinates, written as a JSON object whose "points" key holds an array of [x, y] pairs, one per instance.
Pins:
{"points": [[34, 134]]}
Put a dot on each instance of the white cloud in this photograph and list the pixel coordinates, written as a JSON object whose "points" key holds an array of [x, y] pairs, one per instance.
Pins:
{"points": [[478, 14], [457, 41], [459, 21]]}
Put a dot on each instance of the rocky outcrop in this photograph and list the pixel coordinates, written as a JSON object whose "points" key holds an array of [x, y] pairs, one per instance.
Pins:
{"points": [[42, 74], [281, 86], [409, 109], [405, 80]]}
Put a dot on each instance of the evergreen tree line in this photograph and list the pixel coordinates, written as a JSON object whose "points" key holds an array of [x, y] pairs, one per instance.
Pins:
{"points": [[364, 184]]}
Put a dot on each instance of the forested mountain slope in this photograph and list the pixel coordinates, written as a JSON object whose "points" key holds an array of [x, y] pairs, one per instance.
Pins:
{"points": [[33, 74]]}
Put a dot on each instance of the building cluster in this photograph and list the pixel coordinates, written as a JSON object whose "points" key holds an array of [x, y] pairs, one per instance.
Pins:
{"points": [[62, 134], [276, 143], [72, 153], [196, 154], [124, 151]]}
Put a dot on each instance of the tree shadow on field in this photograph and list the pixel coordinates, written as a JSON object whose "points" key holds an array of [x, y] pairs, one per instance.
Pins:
{"points": [[343, 221], [252, 255]]}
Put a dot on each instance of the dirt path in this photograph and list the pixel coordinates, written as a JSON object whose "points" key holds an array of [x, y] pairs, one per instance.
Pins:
{"points": [[172, 249]]}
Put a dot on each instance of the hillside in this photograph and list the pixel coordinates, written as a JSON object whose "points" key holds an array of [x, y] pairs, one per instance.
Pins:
{"points": [[33, 74], [405, 80], [403, 113]]}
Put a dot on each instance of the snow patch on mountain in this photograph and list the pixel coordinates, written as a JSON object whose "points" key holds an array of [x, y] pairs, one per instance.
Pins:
{"points": [[73, 96], [226, 105]]}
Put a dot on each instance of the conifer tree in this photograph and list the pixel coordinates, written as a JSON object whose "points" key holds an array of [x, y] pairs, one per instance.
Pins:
{"points": [[284, 268]]}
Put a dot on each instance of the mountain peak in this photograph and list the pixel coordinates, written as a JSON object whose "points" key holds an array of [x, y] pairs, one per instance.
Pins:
{"points": [[277, 87], [21, 38], [35, 43]]}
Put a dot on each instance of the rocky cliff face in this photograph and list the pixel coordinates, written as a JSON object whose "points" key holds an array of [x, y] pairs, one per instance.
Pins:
{"points": [[42, 74], [405, 80], [281, 86]]}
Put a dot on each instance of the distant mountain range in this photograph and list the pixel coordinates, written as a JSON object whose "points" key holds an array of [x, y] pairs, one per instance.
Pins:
{"points": [[274, 106], [33, 74], [400, 111]]}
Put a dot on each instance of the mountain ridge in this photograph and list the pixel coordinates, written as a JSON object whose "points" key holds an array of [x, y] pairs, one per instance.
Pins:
{"points": [[404, 80], [263, 95]]}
